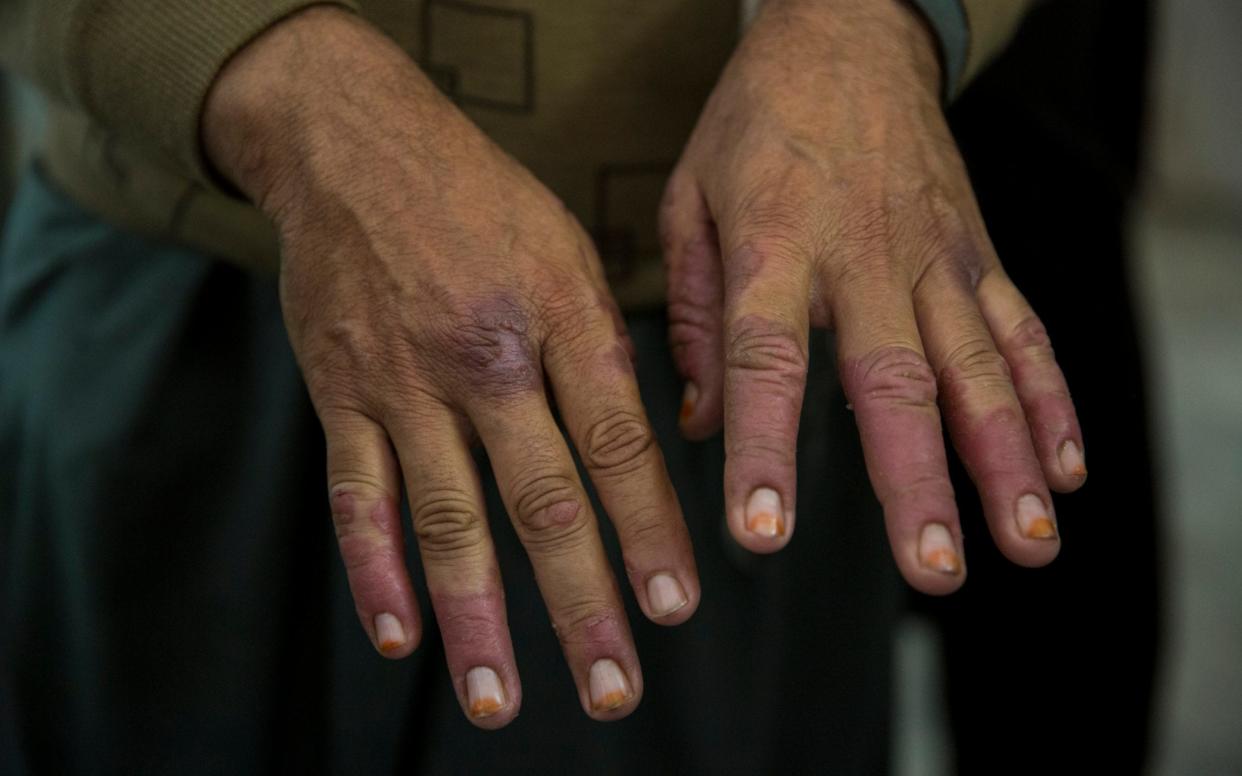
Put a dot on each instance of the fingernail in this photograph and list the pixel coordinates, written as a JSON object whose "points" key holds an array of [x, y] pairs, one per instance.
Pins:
{"points": [[689, 398], [665, 594], [609, 687], [1033, 519], [1071, 459], [764, 515], [484, 692], [388, 632], [936, 550]]}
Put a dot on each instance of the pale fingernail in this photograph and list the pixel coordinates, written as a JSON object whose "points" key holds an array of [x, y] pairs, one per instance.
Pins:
{"points": [[936, 550], [609, 687], [388, 632], [1071, 460], [764, 515], [1033, 519], [665, 594], [484, 692], [689, 398]]}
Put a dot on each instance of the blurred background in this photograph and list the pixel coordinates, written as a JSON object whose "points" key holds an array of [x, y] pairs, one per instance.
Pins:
{"points": [[1186, 237], [1186, 240]]}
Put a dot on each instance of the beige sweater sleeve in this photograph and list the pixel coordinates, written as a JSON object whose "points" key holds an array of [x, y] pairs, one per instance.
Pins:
{"points": [[992, 24], [140, 68]]}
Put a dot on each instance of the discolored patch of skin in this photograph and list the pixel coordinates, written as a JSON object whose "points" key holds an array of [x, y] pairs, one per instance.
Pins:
{"points": [[487, 353], [606, 302], [371, 544], [559, 514], [893, 392], [475, 631], [473, 627], [596, 637], [746, 264]]}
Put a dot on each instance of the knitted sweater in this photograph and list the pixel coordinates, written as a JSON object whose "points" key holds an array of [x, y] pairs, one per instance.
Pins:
{"points": [[596, 97]]}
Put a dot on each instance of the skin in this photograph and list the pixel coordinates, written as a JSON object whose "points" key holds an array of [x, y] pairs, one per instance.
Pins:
{"points": [[437, 296], [822, 187]]}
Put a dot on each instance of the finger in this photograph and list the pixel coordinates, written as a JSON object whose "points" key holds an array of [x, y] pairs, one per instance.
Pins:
{"points": [[553, 519], [459, 562], [1039, 383], [766, 327], [986, 422], [364, 488], [598, 398], [892, 389], [695, 303]]}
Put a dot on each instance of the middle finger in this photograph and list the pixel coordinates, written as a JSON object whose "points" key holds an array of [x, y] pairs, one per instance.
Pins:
{"points": [[555, 523]]}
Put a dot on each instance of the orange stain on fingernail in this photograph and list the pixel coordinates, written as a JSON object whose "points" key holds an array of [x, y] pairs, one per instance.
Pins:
{"points": [[767, 524], [687, 409], [389, 646], [613, 700], [485, 707], [1041, 528], [945, 561]]}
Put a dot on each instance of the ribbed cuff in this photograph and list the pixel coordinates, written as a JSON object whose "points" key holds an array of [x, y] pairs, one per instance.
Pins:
{"points": [[948, 19], [143, 67]]}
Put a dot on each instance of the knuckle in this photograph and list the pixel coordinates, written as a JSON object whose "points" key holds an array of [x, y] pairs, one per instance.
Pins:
{"points": [[488, 349], [869, 224], [548, 510], [691, 314], [588, 621], [1030, 337], [769, 448], [642, 530], [757, 344], [565, 305], [466, 629], [617, 442], [447, 523], [693, 325], [929, 489], [361, 506], [974, 366], [893, 375], [647, 525]]}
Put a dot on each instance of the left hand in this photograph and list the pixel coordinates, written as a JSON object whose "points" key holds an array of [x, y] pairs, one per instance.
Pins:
{"points": [[822, 187]]}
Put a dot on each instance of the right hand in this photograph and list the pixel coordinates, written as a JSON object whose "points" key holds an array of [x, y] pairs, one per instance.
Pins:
{"points": [[434, 290]]}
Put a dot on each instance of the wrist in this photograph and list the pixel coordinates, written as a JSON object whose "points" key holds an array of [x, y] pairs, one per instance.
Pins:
{"points": [[882, 39], [295, 109]]}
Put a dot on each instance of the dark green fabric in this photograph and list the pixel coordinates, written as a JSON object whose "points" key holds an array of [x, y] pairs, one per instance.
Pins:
{"points": [[172, 600]]}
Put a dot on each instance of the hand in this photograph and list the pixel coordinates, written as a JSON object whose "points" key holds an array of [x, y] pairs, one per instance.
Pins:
{"points": [[822, 187], [433, 290]]}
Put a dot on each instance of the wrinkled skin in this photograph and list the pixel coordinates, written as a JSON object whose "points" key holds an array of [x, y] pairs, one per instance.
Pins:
{"points": [[436, 296], [821, 187], [433, 291]]}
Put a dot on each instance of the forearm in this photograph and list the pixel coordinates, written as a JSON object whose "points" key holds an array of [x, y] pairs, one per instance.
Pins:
{"points": [[140, 70]]}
